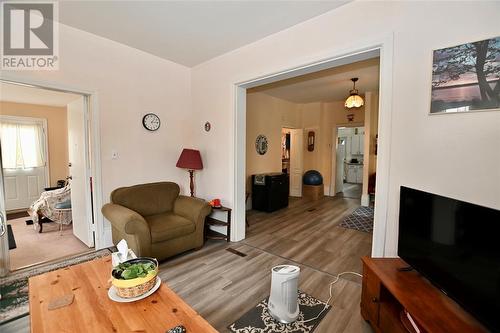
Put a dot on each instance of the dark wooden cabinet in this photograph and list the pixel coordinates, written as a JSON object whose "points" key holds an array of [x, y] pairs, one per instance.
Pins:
{"points": [[387, 292]]}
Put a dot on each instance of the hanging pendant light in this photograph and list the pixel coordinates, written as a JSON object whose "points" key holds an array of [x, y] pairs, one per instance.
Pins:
{"points": [[354, 100]]}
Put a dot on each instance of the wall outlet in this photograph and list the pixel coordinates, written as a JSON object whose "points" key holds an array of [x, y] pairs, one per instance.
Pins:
{"points": [[114, 154]]}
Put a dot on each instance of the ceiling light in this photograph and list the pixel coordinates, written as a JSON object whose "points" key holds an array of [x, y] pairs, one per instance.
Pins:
{"points": [[354, 100]]}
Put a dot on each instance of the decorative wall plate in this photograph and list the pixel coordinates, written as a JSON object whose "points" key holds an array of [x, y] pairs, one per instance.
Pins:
{"points": [[261, 144]]}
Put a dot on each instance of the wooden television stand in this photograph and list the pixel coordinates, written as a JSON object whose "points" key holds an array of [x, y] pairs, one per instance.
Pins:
{"points": [[387, 292]]}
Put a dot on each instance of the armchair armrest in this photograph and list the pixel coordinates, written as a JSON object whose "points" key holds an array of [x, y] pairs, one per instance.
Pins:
{"points": [[193, 209], [129, 225]]}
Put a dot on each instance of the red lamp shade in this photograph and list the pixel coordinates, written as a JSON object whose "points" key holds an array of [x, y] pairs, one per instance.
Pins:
{"points": [[190, 159]]}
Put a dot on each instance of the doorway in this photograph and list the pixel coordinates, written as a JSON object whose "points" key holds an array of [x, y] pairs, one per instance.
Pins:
{"points": [[292, 158], [349, 161], [45, 175], [382, 48]]}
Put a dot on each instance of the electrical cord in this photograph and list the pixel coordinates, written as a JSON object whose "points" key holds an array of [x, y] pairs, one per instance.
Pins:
{"points": [[337, 278]]}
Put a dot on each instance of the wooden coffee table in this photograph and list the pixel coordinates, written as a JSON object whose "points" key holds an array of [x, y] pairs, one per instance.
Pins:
{"points": [[93, 311]]}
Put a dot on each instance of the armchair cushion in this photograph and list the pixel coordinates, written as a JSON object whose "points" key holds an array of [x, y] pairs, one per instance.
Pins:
{"points": [[168, 226], [147, 199]]}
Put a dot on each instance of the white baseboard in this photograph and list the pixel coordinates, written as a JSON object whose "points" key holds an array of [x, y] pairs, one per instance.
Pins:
{"points": [[365, 200]]}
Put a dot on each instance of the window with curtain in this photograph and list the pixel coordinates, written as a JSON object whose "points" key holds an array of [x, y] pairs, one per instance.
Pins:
{"points": [[22, 145]]}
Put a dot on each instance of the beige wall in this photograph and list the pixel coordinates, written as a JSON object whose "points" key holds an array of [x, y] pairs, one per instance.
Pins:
{"points": [[129, 83], [57, 133], [426, 152], [267, 115], [311, 114], [337, 116]]}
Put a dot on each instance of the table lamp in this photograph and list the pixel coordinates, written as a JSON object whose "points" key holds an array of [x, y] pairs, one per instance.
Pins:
{"points": [[190, 159]]}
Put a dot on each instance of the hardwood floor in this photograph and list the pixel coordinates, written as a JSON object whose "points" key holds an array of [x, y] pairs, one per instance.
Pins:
{"points": [[352, 191], [222, 285], [307, 233]]}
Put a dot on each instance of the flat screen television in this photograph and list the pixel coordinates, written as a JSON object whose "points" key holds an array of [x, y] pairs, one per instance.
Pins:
{"points": [[456, 245]]}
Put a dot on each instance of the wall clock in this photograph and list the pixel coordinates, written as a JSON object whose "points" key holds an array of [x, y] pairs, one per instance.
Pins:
{"points": [[261, 144], [151, 122]]}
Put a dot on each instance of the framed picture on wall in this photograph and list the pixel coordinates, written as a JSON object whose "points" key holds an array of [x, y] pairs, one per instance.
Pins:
{"points": [[466, 77]]}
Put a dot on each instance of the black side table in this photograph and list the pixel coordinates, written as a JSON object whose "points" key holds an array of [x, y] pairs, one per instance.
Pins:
{"points": [[211, 234]]}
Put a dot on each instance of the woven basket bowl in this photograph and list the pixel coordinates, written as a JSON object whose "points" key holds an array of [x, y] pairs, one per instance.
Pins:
{"points": [[139, 286]]}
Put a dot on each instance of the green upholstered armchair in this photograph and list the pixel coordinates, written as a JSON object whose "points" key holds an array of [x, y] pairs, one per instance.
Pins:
{"points": [[155, 220]]}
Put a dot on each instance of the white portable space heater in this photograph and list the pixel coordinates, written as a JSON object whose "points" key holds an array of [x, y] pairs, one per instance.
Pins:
{"points": [[283, 302]]}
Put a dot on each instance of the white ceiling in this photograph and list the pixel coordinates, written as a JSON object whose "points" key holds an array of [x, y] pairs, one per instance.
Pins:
{"points": [[327, 85], [189, 32], [29, 95]]}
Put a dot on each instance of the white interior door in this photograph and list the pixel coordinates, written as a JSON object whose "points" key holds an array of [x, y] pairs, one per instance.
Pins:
{"points": [[79, 172], [24, 181], [23, 187], [339, 161], [296, 162]]}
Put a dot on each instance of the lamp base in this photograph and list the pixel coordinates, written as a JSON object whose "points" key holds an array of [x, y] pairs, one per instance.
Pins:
{"points": [[191, 182]]}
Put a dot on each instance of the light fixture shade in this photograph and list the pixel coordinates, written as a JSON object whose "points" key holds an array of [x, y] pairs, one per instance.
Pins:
{"points": [[190, 159], [354, 101]]}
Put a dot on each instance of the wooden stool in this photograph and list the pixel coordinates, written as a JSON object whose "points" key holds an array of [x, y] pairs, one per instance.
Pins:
{"points": [[313, 192]]}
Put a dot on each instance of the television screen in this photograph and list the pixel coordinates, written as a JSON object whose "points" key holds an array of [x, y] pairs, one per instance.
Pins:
{"points": [[456, 245]]}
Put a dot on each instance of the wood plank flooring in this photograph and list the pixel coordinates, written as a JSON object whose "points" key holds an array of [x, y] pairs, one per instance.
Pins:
{"points": [[307, 233], [222, 286]]}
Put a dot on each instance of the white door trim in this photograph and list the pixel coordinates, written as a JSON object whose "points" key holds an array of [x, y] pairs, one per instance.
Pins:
{"points": [[296, 157], [335, 139], [93, 132], [361, 49]]}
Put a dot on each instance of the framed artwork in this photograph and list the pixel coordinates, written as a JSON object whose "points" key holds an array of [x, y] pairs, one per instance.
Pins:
{"points": [[261, 144], [310, 141], [466, 77]]}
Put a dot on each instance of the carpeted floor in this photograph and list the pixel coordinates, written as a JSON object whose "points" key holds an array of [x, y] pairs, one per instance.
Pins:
{"points": [[33, 247], [14, 288]]}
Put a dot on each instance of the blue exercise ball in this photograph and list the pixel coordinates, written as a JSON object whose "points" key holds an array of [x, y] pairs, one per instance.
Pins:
{"points": [[312, 177]]}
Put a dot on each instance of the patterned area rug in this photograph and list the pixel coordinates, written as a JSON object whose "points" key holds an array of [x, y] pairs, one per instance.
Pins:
{"points": [[14, 288], [258, 319], [361, 219]]}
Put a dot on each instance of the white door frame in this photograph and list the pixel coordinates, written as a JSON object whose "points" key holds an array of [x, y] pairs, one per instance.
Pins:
{"points": [[92, 121], [43, 122], [335, 133], [292, 163], [362, 49]]}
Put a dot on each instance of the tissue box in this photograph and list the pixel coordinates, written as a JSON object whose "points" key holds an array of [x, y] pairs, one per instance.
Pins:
{"points": [[116, 258]]}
